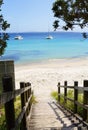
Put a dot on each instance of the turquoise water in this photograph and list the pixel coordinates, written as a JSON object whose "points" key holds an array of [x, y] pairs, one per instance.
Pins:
{"points": [[35, 47]]}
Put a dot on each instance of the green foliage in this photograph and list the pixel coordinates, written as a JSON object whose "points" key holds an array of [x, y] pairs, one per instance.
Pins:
{"points": [[80, 99], [2, 118], [70, 104], [55, 95], [33, 100], [3, 36], [72, 12], [17, 105]]}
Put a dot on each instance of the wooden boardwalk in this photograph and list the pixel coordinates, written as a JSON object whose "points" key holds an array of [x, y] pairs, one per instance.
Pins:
{"points": [[47, 115]]}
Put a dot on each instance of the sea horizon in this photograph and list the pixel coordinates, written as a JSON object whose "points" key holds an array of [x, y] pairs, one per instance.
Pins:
{"points": [[34, 47]]}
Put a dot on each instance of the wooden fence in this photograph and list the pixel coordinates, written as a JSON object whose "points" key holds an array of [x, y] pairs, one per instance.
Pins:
{"points": [[7, 98], [76, 91]]}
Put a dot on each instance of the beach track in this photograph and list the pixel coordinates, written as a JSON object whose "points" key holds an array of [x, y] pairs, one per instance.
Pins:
{"points": [[46, 114]]}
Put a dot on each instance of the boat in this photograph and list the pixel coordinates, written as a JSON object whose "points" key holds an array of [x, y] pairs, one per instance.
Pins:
{"points": [[49, 37], [18, 37]]}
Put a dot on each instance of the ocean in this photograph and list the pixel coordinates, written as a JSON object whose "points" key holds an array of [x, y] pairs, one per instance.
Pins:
{"points": [[34, 47]]}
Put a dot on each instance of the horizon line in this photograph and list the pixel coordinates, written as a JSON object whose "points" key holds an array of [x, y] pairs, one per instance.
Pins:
{"points": [[45, 31]]}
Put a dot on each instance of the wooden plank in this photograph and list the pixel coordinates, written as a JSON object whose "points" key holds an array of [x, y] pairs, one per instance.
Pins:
{"points": [[61, 95], [65, 92], [9, 106], [82, 105], [19, 119], [58, 92], [81, 88], [70, 99], [85, 101], [6, 97], [62, 86], [75, 96]]}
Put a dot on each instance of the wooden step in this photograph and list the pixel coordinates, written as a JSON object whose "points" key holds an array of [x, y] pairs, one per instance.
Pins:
{"points": [[57, 128], [46, 128], [79, 128]]}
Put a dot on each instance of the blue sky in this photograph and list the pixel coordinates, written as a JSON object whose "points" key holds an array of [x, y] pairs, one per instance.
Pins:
{"points": [[28, 15]]}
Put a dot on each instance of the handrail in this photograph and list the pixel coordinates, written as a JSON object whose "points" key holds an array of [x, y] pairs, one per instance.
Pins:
{"points": [[7, 99], [7, 96], [77, 89], [20, 116]]}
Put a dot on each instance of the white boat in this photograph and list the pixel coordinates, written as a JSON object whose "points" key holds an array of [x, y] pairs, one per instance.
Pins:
{"points": [[49, 37], [18, 37]]}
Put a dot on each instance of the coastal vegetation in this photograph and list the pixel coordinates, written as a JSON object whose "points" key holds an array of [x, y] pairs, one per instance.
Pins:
{"points": [[71, 13], [3, 36], [17, 105]]}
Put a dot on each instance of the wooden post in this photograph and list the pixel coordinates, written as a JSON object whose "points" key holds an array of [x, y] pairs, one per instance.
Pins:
{"points": [[30, 101], [65, 92], [58, 92], [23, 122], [29, 84], [75, 96], [9, 106], [6, 68], [85, 101], [26, 94]]}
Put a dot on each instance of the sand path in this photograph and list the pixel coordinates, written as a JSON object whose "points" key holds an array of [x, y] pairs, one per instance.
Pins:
{"points": [[46, 115], [44, 78]]}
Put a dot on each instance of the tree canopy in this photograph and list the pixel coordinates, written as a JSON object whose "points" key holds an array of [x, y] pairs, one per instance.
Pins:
{"points": [[73, 13], [3, 36]]}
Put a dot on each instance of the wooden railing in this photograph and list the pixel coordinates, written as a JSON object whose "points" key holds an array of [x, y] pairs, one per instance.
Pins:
{"points": [[63, 94], [7, 99]]}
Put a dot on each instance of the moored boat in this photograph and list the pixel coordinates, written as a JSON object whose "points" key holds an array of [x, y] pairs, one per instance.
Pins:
{"points": [[18, 37], [49, 37]]}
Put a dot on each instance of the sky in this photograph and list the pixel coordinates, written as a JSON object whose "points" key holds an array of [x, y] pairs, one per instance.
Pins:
{"points": [[28, 15]]}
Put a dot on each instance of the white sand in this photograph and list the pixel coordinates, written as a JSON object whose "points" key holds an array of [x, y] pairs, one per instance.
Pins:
{"points": [[45, 76]]}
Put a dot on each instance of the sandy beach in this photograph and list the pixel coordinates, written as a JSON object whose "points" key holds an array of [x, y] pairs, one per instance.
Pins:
{"points": [[46, 75]]}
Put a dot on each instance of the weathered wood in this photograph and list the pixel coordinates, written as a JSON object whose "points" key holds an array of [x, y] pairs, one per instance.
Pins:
{"points": [[30, 103], [77, 90], [62, 86], [65, 92], [20, 116], [26, 94], [81, 88], [70, 99], [85, 102], [5, 97], [58, 92], [8, 97], [6, 68], [9, 106], [23, 101], [75, 96], [81, 105]]}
